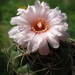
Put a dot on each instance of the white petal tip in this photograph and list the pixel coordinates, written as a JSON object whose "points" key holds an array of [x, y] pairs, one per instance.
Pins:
{"points": [[55, 46]]}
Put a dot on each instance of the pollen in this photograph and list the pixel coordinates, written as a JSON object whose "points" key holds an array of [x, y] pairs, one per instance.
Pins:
{"points": [[39, 25]]}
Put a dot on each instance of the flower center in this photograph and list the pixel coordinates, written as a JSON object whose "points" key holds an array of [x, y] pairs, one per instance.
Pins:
{"points": [[39, 25]]}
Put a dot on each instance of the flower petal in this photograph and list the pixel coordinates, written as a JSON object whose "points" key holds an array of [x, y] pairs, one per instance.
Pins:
{"points": [[38, 7], [45, 6], [56, 17], [53, 13], [53, 41], [64, 36], [32, 10], [13, 32], [62, 27], [20, 11], [44, 50], [19, 21], [37, 26], [19, 38], [29, 35], [34, 44], [55, 32]]}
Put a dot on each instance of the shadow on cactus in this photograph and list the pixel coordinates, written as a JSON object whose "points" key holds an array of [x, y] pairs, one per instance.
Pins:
{"points": [[57, 62]]}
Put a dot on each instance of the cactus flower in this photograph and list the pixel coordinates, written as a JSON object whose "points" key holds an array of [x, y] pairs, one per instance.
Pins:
{"points": [[37, 26]]}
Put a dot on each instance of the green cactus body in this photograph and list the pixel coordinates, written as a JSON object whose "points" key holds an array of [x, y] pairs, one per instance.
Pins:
{"points": [[57, 62]]}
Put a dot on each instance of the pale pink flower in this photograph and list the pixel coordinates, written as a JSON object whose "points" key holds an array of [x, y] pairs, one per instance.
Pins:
{"points": [[37, 26]]}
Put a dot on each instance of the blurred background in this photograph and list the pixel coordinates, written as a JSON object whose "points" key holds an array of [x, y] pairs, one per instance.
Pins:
{"points": [[8, 9]]}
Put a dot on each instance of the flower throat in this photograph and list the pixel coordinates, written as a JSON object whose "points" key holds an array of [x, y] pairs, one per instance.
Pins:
{"points": [[39, 25]]}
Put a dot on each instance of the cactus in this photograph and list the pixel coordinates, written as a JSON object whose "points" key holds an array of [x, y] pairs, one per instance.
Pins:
{"points": [[44, 34], [57, 62]]}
